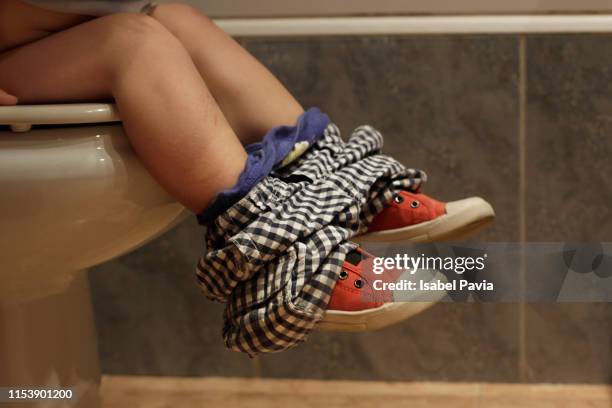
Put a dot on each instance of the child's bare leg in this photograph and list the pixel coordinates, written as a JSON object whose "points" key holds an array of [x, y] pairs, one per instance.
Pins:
{"points": [[170, 117], [251, 98]]}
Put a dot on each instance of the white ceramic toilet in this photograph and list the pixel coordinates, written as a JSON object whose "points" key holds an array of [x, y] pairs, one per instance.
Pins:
{"points": [[72, 195]]}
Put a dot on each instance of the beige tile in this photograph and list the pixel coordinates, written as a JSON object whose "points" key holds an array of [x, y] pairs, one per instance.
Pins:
{"points": [[151, 392], [545, 396], [166, 392]]}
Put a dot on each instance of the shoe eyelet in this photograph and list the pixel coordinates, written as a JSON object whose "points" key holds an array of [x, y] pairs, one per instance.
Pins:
{"points": [[415, 204], [398, 199], [358, 283], [343, 275]]}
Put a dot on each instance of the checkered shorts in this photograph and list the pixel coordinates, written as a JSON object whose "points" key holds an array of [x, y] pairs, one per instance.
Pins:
{"points": [[274, 257]]}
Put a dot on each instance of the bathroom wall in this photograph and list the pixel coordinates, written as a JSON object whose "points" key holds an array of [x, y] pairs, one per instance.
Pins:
{"points": [[522, 121]]}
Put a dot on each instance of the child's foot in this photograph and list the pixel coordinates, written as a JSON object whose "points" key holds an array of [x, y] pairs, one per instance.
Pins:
{"points": [[416, 217], [356, 305]]}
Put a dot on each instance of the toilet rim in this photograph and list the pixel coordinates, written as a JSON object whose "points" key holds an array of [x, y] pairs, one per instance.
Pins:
{"points": [[25, 116]]}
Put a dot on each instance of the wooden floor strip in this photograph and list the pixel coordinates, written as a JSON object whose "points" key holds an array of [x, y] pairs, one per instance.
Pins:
{"points": [[167, 392]]}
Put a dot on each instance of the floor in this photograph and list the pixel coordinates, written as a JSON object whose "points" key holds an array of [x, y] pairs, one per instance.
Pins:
{"points": [[162, 392]]}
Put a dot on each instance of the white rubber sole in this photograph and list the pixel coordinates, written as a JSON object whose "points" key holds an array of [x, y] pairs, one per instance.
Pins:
{"points": [[389, 313], [372, 319], [463, 219]]}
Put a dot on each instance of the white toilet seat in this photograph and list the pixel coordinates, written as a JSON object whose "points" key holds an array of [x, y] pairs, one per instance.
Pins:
{"points": [[21, 118]]}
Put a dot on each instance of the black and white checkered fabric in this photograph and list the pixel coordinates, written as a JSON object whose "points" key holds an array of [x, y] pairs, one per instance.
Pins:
{"points": [[275, 256]]}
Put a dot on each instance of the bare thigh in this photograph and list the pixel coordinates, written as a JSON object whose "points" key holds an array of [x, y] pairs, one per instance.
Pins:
{"points": [[61, 67], [172, 120], [21, 23]]}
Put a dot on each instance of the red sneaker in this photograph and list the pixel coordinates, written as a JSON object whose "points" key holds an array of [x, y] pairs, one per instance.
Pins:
{"points": [[416, 217], [357, 305]]}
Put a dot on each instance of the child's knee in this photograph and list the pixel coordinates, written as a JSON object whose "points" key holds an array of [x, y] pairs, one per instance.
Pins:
{"points": [[132, 31], [179, 17], [128, 37]]}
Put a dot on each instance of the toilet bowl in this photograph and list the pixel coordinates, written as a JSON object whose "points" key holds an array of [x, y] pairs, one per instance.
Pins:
{"points": [[72, 195]]}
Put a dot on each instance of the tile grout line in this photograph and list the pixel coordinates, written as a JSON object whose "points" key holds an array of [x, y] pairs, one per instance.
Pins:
{"points": [[256, 367], [522, 203], [522, 137]]}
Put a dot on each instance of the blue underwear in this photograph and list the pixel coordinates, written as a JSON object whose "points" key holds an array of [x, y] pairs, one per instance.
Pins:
{"points": [[264, 156]]}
